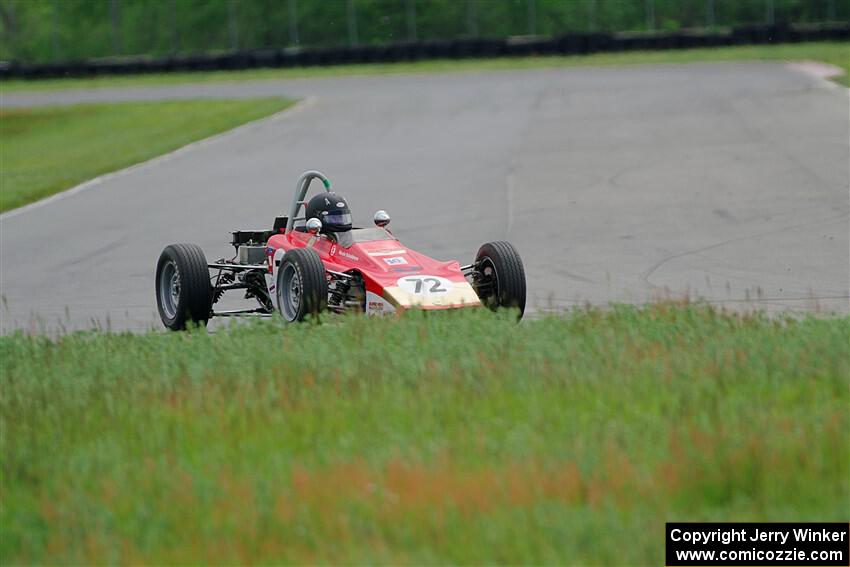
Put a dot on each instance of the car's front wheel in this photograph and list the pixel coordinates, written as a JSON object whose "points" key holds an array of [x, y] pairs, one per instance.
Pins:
{"points": [[183, 291], [302, 288], [499, 277]]}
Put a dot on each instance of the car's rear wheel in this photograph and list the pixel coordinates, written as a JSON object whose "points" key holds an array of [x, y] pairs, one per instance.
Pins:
{"points": [[302, 288], [183, 291], [499, 277]]}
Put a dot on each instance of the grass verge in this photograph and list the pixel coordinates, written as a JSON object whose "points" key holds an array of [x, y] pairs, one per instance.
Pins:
{"points": [[46, 150], [834, 53], [570, 439]]}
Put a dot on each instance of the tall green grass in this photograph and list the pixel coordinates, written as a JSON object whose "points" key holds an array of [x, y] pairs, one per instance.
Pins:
{"points": [[458, 438]]}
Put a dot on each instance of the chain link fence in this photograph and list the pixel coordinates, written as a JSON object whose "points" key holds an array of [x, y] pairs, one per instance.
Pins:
{"points": [[56, 31]]}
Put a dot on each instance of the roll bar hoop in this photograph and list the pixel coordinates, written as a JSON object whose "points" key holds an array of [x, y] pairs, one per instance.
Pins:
{"points": [[301, 192]]}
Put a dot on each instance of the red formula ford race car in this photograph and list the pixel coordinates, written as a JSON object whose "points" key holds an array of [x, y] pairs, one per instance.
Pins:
{"points": [[317, 262]]}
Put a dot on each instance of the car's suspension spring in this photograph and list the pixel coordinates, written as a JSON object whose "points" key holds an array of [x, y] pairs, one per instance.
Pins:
{"points": [[337, 292], [223, 278], [257, 289], [346, 294]]}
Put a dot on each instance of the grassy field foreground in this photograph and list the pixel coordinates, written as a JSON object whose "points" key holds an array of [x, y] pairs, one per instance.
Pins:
{"points": [[462, 438], [834, 52], [48, 149]]}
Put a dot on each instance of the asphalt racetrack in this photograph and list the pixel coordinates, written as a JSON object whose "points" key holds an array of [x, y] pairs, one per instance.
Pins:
{"points": [[722, 181]]}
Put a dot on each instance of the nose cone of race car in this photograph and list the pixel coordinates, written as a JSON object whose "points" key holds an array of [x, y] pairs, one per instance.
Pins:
{"points": [[431, 292], [403, 277]]}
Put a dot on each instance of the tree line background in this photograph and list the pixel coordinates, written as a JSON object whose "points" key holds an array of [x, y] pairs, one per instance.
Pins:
{"points": [[70, 30]]}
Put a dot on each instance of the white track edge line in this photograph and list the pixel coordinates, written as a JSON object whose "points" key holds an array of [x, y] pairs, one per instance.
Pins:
{"points": [[299, 106]]}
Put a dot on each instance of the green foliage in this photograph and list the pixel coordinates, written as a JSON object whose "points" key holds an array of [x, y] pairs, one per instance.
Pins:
{"points": [[391, 441], [65, 30], [48, 149]]}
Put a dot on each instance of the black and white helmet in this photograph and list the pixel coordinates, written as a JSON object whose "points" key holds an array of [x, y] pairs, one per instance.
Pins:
{"points": [[332, 210]]}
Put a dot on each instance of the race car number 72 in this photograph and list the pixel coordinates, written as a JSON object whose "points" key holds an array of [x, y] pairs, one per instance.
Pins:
{"points": [[434, 282], [419, 285]]}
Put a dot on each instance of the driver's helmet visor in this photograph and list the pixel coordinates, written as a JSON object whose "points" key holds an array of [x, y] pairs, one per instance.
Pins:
{"points": [[337, 219]]}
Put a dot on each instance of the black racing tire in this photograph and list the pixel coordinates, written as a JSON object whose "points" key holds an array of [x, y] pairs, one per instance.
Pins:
{"points": [[302, 288], [501, 275], [183, 290]]}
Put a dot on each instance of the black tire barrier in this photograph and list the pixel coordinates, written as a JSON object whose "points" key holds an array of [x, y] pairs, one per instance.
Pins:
{"points": [[464, 48]]}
